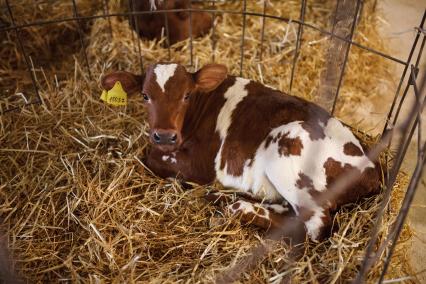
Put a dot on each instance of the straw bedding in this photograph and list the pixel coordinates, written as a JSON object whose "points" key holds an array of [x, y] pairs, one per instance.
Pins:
{"points": [[76, 203]]}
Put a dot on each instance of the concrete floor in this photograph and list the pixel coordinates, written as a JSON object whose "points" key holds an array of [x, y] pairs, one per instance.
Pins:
{"points": [[401, 16]]}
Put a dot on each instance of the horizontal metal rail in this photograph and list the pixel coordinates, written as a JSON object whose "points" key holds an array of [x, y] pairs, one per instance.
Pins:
{"points": [[284, 19]]}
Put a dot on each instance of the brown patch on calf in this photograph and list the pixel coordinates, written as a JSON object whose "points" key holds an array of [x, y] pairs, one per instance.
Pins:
{"points": [[305, 213], [236, 205], [315, 130], [305, 182], [268, 141], [367, 184], [290, 146], [312, 125], [254, 219], [351, 149], [334, 169], [260, 211], [262, 110]]}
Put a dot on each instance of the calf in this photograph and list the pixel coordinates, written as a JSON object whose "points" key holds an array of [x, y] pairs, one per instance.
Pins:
{"points": [[152, 26], [208, 125]]}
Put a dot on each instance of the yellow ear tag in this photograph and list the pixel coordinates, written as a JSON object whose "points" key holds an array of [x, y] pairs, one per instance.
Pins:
{"points": [[104, 95], [116, 96]]}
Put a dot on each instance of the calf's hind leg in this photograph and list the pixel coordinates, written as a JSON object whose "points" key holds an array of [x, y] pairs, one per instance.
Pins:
{"points": [[279, 219], [316, 218]]}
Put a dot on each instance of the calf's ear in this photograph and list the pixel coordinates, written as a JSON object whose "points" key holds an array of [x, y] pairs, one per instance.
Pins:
{"points": [[130, 82], [210, 77]]}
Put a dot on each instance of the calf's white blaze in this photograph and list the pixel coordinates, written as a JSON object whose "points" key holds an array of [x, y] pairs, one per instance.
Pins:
{"points": [[163, 73], [274, 176]]}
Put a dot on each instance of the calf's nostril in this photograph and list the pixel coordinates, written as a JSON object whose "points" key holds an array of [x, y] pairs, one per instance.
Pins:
{"points": [[156, 137]]}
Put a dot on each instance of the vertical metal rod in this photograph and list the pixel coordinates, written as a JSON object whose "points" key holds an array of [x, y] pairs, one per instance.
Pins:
{"points": [[404, 72], [213, 31], [243, 37], [298, 40], [166, 25], [131, 22], [106, 13], [21, 47], [388, 119], [262, 36], [402, 147], [342, 73], [404, 94], [190, 36], [399, 222], [80, 33], [404, 212], [138, 40]]}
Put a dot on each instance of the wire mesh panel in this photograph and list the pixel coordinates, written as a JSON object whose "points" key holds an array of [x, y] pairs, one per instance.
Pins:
{"points": [[256, 39]]}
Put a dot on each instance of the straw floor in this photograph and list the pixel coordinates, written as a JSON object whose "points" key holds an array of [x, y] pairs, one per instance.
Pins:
{"points": [[76, 203]]}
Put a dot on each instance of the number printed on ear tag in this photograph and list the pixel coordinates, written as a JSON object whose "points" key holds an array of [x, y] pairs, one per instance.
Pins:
{"points": [[116, 96]]}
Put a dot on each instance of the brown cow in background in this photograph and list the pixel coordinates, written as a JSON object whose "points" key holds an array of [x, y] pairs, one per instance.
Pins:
{"points": [[152, 26]]}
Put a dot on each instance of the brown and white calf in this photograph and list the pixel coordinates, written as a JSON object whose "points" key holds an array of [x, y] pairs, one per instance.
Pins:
{"points": [[208, 125], [152, 26]]}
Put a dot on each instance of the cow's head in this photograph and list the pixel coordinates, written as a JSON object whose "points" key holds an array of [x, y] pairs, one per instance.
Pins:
{"points": [[167, 90]]}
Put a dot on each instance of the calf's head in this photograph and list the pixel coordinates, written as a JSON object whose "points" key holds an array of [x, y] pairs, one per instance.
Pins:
{"points": [[167, 90]]}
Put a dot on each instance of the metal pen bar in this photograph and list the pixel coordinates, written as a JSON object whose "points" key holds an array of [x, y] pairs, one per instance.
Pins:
{"points": [[311, 26], [166, 25], [131, 21], [404, 95], [298, 41], [402, 215], [369, 258], [80, 34], [191, 55], [138, 40], [388, 119], [345, 60], [416, 125], [262, 35], [404, 72], [21, 47], [243, 37], [404, 211], [106, 12], [213, 31]]}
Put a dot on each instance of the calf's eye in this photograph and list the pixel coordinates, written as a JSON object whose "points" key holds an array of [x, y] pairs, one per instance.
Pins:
{"points": [[145, 97], [186, 97]]}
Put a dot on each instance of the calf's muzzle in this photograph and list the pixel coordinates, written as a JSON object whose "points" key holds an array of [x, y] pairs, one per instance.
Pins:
{"points": [[164, 137]]}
